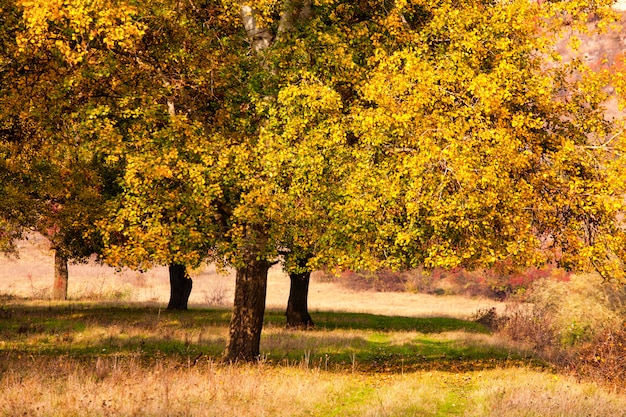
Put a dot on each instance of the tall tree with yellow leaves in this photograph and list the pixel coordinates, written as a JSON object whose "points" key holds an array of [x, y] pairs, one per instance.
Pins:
{"points": [[46, 78], [482, 146]]}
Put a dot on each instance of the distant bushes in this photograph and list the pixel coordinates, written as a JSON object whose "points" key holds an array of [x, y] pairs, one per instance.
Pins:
{"points": [[383, 280], [498, 283]]}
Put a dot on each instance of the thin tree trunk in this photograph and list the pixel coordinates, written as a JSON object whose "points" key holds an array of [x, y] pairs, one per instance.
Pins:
{"points": [[298, 307], [59, 289], [260, 36], [180, 287], [295, 11], [247, 320]]}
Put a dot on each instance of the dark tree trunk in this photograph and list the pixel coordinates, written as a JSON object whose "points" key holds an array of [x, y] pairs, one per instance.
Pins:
{"points": [[247, 320], [59, 289], [180, 287], [298, 306]]}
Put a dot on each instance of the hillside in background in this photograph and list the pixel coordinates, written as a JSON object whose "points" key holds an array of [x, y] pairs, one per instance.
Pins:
{"points": [[602, 51]]}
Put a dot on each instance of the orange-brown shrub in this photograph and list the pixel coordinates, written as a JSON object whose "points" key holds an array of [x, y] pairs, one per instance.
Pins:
{"points": [[604, 359], [533, 325], [578, 326]]}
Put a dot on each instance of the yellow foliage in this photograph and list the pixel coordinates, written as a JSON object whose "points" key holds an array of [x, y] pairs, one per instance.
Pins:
{"points": [[71, 26], [420, 133]]}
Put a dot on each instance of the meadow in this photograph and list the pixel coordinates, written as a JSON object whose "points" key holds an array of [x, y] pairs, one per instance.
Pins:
{"points": [[113, 350]]}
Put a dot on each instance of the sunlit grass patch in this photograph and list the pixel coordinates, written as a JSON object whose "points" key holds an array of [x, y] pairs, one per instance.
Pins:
{"points": [[391, 351], [125, 386]]}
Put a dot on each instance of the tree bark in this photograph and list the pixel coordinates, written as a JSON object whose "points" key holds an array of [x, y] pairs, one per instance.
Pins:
{"points": [[259, 35], [297, 307], [247, 320], [294, 11], [61, 276], [180, 287]]}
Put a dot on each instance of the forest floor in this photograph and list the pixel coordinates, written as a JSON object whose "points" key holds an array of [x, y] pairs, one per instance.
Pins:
{"points": [[112, 350]]}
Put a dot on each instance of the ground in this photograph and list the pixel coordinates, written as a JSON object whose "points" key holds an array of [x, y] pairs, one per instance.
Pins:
{"points": [[113, 350]]}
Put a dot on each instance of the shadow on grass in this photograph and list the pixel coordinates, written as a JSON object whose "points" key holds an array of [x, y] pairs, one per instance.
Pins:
{"points": [[60, 315], [359, 342], [363, 321]]}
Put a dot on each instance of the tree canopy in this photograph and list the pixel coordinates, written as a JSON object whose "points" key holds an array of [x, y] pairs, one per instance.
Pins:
{"points": [[482, 146]]}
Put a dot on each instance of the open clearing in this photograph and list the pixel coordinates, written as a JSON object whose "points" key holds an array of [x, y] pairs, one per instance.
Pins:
{"points": [[31, 274], [113, 351]]}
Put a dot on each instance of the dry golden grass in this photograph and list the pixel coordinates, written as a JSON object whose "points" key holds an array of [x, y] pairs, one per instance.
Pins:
{"points": [[123, 387]]}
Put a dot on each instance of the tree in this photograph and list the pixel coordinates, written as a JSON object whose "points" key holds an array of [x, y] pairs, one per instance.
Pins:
{"points": [[294, 155], [345, 134], [307, 161], [443, 94], [17, 173], [42, 87], [297, 312], [74, 204], [166, 211], [136, 86], [15, 204], [481, 146]]}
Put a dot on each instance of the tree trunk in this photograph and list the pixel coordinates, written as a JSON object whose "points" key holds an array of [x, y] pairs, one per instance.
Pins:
{"points": [[297, 306], [180, 287], [247, 320], [59, 289]]}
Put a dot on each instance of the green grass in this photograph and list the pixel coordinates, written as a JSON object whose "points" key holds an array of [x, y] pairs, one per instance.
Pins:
{"points": [[361, 321], [90, 359], [364, 342], [348, 401]]}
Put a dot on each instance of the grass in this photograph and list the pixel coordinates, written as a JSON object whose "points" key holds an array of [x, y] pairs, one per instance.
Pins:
{"points": [[96, 360], [124, 386], [371, 353], [340, 340]]}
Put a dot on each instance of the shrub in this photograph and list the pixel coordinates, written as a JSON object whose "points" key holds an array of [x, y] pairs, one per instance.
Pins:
{"points": [[531, 324], [489, 318], [216, 296], [419, 280], [382, 280], [498, 283], [502, 281], [416, 280], [578, 326], [604, 359], [579, 309], [562, 314]]}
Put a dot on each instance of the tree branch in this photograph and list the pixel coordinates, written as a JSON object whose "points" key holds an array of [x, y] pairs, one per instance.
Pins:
{"points": [[260, 37], [295, 11]]}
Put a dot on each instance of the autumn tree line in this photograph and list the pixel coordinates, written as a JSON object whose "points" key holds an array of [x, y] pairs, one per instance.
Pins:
{"points": [[315, 133]]}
